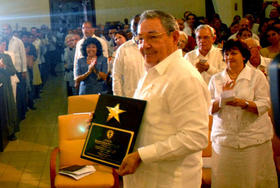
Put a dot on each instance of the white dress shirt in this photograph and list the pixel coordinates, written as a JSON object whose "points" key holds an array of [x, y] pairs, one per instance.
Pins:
{"points": [[187, 29], [16, 47], [254, 36], [174, 126], [233, 126], [128, 68], [263, 66], [78, 53], [214, 59]]}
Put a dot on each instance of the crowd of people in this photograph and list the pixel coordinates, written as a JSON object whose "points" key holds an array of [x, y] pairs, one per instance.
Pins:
{"points": [[168, 62]]}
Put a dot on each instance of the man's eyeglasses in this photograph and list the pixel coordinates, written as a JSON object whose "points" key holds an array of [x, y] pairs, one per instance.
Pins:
{"points": [[150, 38]]}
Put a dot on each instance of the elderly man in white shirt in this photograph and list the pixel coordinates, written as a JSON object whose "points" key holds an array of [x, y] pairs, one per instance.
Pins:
{"points": [[88, 31], [174, 128], [256, 60], [206, 58], [128, 66]]}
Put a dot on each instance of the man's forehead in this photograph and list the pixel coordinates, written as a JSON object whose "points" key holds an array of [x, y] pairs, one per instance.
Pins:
{"points": [[244, 21], [203, 31], [87, 25]]}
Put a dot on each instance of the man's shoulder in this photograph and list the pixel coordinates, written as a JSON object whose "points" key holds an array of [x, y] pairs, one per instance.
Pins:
{"points": [[182, 66], [128, 45], [14, 38], [216, 50], [99, 38], [191, 54], [80, 42]]}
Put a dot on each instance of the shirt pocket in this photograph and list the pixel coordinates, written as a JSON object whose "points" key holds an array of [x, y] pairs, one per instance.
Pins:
{"points": [[244, 90]]}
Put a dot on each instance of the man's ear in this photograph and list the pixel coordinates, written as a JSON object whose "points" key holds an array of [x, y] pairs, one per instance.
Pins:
{"points": [[176, 36]]}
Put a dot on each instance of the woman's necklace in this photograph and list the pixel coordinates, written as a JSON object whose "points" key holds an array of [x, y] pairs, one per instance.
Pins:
{"points": [[233, 76]]}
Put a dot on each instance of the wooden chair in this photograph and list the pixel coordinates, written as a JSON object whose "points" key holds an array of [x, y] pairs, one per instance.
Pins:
{"points": [[72, 130], [207, 152], [82, 103], [72, 133]]}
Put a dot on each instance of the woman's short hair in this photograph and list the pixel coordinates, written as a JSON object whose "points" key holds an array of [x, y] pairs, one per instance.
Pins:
{"points": [[239, 33], [234, 44], [122, 33], [272, 28], [89, 41]]}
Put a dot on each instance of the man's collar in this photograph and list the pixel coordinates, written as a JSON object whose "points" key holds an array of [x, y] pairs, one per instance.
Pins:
{"points": [[199, 54], [162, 66]]}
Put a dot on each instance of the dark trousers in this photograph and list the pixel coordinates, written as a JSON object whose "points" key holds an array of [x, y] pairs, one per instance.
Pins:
{"points": [[31, 91], [21, 97]]}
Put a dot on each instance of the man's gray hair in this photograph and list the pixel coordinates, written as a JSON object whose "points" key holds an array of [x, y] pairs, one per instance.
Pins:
{"points": [[206, 26], [167, 20]]}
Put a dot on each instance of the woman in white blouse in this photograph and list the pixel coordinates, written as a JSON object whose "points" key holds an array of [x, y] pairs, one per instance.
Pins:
{"points": [[242, 130]]}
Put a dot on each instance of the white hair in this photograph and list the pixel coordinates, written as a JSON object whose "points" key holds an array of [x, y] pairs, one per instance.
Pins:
{"points": [[206, 26]]}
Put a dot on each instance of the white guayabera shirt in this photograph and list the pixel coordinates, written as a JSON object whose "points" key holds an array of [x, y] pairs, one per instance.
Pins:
{"points": [[174, 127], [128, 68], [233, 126], [214, 58]]}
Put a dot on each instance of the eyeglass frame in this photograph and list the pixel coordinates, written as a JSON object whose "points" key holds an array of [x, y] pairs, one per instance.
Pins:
{"points": [[137, 36]]}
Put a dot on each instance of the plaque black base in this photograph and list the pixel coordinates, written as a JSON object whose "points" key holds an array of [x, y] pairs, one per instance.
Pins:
{"points": [[113, 132]]}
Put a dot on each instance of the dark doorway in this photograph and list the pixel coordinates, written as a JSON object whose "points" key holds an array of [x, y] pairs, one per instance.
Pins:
{"points": [[70, 14], [252, 7], [209, 7]]}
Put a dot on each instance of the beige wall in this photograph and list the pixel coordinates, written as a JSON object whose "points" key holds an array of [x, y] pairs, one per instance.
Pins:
{"points": [[117, 10], [25, 13], [28, 13]]}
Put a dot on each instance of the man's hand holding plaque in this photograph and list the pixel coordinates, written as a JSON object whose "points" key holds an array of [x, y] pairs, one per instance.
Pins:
{"points": [[129, 164]]}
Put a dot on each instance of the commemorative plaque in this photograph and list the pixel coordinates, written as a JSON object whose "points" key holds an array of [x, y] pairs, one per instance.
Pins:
{"points": [[113, 131]]}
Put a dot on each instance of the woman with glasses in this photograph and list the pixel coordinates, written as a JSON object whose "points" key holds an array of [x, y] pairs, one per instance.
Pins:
{"points": [[91, 68]]}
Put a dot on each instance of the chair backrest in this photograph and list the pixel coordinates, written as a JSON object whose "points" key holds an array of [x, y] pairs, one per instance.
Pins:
{"points": [[72, 132], [82, 103]]}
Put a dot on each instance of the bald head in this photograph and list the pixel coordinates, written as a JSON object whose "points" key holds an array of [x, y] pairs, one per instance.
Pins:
{"points": [[254, 47], [244, 23]]}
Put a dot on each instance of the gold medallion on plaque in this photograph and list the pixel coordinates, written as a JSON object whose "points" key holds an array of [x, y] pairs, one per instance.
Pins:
{"points": [[110, 134]]}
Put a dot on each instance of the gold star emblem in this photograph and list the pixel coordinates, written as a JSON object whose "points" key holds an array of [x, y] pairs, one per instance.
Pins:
{"points": [[114, 112]]}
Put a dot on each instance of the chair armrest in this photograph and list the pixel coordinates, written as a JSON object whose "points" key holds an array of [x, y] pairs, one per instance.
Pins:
{"points": [[54, 154], [116, 178]]}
